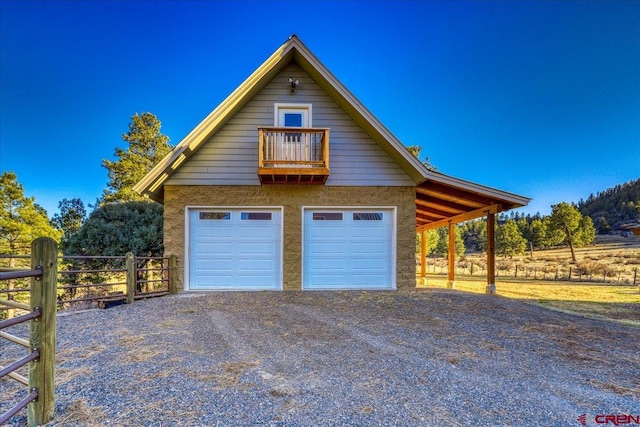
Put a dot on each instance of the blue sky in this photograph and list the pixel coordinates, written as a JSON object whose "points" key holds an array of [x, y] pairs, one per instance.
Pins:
{"points": [[539, 98]]}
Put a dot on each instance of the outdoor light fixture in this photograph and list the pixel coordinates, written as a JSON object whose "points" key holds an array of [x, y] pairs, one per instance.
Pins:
{"points": [[293, 82]]}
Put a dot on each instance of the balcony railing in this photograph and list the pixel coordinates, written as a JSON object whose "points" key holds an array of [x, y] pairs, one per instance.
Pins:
{"points": [[292, 155]]}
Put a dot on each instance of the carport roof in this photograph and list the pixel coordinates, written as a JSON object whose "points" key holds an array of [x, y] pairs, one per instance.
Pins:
{"points": [[441, 199]]}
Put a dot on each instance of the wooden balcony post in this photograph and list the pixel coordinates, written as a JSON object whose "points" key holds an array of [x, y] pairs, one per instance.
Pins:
{"points": [[325, 148], [260, 147]]}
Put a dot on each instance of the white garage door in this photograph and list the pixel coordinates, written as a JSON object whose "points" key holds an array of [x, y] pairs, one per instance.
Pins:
{"points": [[348, 249], [235, 249]]}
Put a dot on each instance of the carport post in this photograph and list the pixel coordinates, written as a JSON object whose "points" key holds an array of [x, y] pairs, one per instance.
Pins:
{"points": [[491, 254], [451, 257], [423, 258]]}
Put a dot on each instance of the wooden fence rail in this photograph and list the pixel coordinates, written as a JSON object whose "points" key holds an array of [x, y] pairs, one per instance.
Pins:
{"points": [[41, 313], [103, 280]]}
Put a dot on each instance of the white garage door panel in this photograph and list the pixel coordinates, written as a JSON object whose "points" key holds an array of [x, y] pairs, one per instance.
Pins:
{"points": [[250, 231], [368, 265], [231, 249], [214, 248], [255, 267], [326, 265], [331, 250], [348, 249], [219, 231], [265, 249]]}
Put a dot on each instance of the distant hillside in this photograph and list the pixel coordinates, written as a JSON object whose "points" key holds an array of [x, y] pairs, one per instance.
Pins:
{"points": [[614, 209]]}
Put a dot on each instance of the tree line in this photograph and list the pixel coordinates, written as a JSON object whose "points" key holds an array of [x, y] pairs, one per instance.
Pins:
{"points": [[613, 208], [517, 233]]}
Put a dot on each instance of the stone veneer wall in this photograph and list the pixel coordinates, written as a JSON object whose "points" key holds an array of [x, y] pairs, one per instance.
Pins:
{"points": [[293, 198]]}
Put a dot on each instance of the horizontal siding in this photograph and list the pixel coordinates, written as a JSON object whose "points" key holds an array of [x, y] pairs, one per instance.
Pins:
{"points": [[230, 157]]}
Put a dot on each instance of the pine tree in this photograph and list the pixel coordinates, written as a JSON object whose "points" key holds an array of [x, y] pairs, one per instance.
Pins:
{"points": [[566, 219], [147, 146], [71, 217], [432, 241], [603, 225], [509, 241], [586, 233], [21, 219], [21, 222], [415, 150], [442, 247]]}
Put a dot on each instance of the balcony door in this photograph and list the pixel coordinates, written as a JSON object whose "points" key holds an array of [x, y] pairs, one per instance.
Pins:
{"points": [[295, 146]]}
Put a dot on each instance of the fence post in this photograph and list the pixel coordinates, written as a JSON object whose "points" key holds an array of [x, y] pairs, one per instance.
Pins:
{"points": [[570, 273], [173, 267], [516, 276], [44, 254], [131, 278]]}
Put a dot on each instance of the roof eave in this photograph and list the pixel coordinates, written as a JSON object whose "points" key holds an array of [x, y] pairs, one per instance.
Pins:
{"points": [[513, 200]]}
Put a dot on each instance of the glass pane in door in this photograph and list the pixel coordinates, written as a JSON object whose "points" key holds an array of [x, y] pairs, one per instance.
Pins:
{"points": [[293, 119]]}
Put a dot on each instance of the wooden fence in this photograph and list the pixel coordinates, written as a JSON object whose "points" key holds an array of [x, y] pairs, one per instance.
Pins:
{"points": [[65, 282], [41, 314], [90, 281]]}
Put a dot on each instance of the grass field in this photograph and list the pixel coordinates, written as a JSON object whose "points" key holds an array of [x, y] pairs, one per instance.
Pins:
{"points": [[604, 281], [620, 303]]}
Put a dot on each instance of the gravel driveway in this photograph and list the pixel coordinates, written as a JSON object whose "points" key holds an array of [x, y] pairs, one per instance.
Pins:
{"points": [[428, 357]]}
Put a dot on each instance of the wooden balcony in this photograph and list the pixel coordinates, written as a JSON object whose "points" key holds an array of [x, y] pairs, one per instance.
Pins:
{"points": [[292, 155]]}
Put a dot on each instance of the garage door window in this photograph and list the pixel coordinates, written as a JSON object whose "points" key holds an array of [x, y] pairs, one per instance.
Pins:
{"points": [[255, 216], [215, 216], [327, 216], [367, 216]]}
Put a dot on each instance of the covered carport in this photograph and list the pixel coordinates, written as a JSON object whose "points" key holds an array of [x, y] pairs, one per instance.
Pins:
{"points": [[443, 201]]}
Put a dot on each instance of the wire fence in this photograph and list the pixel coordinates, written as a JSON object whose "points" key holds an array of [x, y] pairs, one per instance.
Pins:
{"points": [[582, 272]]}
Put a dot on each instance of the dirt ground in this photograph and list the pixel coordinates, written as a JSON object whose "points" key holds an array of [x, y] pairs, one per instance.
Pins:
{"points": [[426, 357]]}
